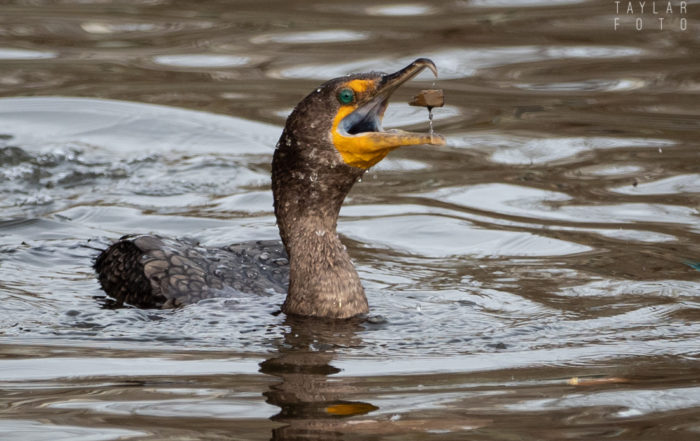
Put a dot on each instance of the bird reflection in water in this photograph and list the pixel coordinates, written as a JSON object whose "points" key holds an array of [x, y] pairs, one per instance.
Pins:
{"points": [[312, 407]]}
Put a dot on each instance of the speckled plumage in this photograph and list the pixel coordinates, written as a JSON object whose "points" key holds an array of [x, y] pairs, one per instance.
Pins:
{"points": [[157, 272], [309, 183]]}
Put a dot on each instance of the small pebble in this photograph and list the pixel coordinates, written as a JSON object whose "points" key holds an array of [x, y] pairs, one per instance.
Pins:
{"points": [[429, 98]]}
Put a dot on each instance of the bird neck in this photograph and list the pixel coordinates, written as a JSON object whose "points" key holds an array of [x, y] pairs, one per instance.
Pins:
{"points": [[322, 280]]}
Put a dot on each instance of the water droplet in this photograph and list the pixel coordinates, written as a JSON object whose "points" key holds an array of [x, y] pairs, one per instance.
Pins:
{"points": [[318, 90], [660, 150], [430, 121]]}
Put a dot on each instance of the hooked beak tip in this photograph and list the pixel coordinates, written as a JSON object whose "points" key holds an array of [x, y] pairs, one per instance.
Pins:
{"points": [[394, 80], [426, 62]]}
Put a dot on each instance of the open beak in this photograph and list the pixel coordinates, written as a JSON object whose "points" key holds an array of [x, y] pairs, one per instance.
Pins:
{"points": [[359, 136]]}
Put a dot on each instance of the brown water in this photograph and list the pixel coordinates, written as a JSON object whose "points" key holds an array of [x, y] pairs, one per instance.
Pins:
{"points": [[537, 278]]}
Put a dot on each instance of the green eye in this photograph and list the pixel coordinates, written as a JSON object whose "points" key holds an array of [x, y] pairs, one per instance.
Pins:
{"points": [[346, 96]]}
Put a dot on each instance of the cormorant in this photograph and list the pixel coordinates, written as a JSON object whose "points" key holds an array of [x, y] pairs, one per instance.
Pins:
{"points": [[330, 139]]}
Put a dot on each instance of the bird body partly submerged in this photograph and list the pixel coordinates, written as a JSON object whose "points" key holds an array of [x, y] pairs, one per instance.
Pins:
{"points": [[330, 139], [157, 272]]}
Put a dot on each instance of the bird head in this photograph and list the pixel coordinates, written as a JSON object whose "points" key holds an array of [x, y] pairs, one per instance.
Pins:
{"points": [[344, 115]]}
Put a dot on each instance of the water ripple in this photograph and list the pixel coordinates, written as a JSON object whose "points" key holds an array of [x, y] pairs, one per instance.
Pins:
{"points": [[462, 63], [202, 60], [312, 37]]}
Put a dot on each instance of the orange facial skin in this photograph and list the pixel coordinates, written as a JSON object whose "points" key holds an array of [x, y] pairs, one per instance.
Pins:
{"points": [[365, 149]]}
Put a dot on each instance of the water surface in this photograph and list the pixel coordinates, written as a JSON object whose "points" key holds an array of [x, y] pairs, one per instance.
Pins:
{"points": [[536, 278]]}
